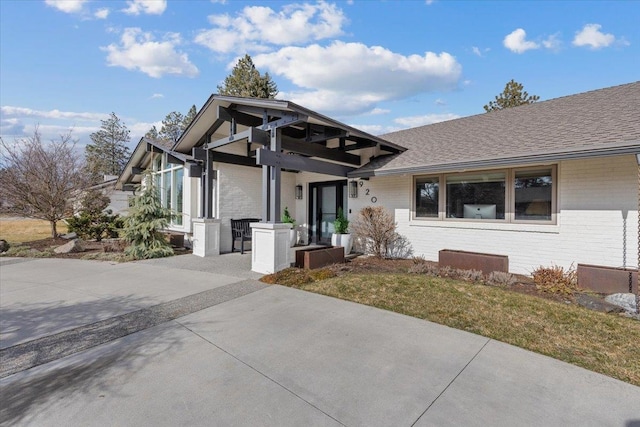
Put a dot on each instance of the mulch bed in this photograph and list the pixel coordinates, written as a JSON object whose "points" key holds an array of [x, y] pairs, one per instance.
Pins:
{"points": [[89, 247]]}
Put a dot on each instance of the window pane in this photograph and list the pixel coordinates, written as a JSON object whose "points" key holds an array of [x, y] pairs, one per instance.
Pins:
{"points": [[167, 190], [477, 196], [427, 192], [177, 184], [533, 191]]}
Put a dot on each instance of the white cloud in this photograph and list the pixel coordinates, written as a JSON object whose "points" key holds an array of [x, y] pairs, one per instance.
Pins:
{"points": [[440, 102], [552, 42], [476, 51], [331, 81], [219, 1], [591, 36], [157, 95], [516, 42], [66, 6], [377, 111], [427, 119], [150, 7], [102, 13], [22, 112], [372, 129], [139, 51], [258, 28]]}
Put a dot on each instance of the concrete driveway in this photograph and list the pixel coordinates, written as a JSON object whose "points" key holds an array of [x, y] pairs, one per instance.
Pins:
{"points": [[241, 353]]}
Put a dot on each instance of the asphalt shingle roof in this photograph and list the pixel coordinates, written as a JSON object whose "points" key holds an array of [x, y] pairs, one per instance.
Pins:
{"points": [[588, 122]]}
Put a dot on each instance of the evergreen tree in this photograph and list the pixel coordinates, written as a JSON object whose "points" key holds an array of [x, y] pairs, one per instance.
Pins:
{"points": [[108, 154], [245, 80], [152, 133], [189, 117], [172, 126], [142, 227], [512, 96]]}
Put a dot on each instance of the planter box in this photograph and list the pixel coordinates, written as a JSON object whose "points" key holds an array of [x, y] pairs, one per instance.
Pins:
{"points": [[607, 280], [313, 258], [486, 263]]}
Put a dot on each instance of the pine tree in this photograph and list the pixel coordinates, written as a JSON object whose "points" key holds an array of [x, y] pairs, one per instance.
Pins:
{"points": [[108, 154], [189, 117], [142, 227], [245, 80], [512, 96], [152, 133], [172, 126]]}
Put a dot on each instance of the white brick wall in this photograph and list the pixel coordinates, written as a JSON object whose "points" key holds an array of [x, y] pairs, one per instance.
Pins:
{"points": [[239, 190], [594, 198]]}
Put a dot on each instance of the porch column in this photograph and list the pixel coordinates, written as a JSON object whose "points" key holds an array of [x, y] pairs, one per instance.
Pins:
{"points": [[270, 247]]}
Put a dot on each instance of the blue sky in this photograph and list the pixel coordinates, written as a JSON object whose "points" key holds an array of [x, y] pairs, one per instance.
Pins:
{"points": [[377, 65]]}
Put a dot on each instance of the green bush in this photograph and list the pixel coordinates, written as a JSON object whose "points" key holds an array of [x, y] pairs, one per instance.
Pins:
{"points": [[341, 223], [143, 226], [93, 222]]}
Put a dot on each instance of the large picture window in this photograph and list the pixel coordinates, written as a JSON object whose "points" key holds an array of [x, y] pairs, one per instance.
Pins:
{"points": [[169, 181], [506, 195]]}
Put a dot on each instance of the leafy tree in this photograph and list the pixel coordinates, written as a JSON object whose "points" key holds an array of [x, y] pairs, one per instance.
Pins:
{"points": [[245, 80], [38, 180], [142, 227], [108, 154], [512, 96]]}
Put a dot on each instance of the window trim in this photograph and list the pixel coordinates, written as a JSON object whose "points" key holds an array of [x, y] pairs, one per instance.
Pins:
{"points": [[509, 217], [170, 169]]}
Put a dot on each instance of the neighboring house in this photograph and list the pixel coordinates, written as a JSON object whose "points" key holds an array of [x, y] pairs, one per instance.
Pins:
{"points": [[118, 198], [555, 182]]}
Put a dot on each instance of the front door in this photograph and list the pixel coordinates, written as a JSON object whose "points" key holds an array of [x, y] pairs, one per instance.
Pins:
{"points": [[326, 198]]}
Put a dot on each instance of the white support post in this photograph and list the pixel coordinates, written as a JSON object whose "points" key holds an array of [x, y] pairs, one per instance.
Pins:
{"points": [[206, 237], [270, 247]]}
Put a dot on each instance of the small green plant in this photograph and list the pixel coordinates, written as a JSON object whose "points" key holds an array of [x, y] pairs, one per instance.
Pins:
{"points": [[556, 280], [341, 223], [143, 226], [287, 218]]}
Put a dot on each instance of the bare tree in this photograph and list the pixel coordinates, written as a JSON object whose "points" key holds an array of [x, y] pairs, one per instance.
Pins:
{"points": [[39, 180]]}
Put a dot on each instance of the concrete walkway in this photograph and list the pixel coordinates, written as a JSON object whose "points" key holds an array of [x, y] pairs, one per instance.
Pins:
{"points": [[270, 356]]}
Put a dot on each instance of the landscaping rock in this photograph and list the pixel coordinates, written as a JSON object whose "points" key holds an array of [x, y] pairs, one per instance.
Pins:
{"points": [[626, 301], [597, 304], [72, 247], [69, 236], [4, 245]]}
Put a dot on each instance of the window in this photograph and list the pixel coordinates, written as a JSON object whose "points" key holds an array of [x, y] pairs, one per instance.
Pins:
{"points": [[533, 195], [477, 196], [169, 181], [503, 196], [427, 195]]}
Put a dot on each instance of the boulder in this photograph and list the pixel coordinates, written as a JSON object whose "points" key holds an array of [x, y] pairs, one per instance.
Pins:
{"points": [[4, 245], [72, 246], [597, 304], [69, 236], [626, 301]]}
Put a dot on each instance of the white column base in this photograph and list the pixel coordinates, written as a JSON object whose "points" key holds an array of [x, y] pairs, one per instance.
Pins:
{"points": [[270, 247], [206, 237]]}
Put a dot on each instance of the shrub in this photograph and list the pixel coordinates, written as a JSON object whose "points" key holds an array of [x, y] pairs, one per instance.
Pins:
{"points": [[93, 222], [422, 266], [142, 227], [445, 271], [375, 229], [556, 280], [500, 278], [471, 275]]}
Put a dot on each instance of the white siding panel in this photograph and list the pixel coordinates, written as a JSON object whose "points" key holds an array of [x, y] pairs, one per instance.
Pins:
{"points": [[597, 220]]}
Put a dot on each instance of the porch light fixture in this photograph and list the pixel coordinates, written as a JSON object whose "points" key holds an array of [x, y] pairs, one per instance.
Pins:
{"points": [[638, 158], [353, 189], [299, 192]]}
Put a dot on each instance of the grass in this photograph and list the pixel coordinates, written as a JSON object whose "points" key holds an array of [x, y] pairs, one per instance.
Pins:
{"points": [[26, 230], [596, 341]]}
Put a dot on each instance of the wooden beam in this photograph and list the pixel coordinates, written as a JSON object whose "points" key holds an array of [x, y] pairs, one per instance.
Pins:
{"points": [[233, 159], [228, 114], [316, 150], [214, 127], [356, 146], [137, 171], [173, 159], [253, 135], [269, 158]]}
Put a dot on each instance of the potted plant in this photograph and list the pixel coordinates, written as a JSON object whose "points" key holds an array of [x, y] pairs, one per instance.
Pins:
{"points": [[293, 233], [340, 236]]}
